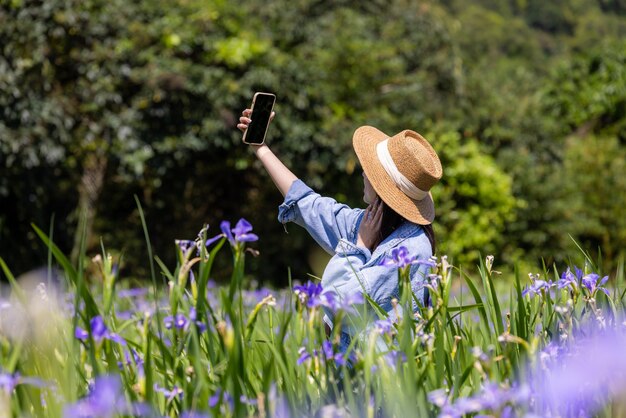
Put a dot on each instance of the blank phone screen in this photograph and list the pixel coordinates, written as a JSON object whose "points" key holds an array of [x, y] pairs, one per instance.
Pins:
{"points": [[261, 112]]}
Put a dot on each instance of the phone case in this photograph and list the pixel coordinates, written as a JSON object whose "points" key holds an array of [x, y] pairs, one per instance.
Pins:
{"points": [[254, 99]]}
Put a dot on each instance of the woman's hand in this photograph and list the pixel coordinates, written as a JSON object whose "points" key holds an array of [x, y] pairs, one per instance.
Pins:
{"points": [[369, 230], [245, 120], [280, 174]]}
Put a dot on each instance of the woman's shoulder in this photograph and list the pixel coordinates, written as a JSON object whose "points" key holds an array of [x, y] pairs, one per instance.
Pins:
{"points": [[409, 231]]}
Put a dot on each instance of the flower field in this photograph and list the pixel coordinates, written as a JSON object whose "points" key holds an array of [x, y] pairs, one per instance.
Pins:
{"points": [[549, 343]]}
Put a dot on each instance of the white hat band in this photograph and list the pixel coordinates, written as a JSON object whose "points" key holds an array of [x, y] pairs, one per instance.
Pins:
{"points": [[398, 178]]}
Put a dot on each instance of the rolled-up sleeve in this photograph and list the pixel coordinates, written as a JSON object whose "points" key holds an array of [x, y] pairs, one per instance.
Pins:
{"points": [[326, 220], [344, 273]]}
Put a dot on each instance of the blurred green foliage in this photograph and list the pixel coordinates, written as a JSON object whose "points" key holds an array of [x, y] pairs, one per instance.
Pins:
{"points": [[476, 197], [525, 101]]}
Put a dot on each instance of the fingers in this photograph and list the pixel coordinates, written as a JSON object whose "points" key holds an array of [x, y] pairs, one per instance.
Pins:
{"points": [[379, 206], [374, 212], [244, 120], [366, 215], [377, 212], [369, 231]]}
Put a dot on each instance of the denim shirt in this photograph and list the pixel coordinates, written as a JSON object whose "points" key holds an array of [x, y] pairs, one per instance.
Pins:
{"points": [[334, 226]]}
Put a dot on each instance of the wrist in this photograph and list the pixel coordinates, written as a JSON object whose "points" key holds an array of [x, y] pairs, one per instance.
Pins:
{"points": [[361, 243], [260, 150]]}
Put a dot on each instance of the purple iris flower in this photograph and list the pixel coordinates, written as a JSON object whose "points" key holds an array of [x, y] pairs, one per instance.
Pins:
{"points": [[400, 258], [590, 281], [313, 295], [208, 241], [106, 399], [347, 304], [579, 272], [355, 298], [247, 401], [395, 356], [99, 331], [133, 293], [330, 300], [212, 240], [438, 397], [9, 381], [585, 379], [185, 245], [340, 358], [125, 315], [215, 398], [491, 397], [130, 358], [98, 328], [137, 358], [179, 321], [384, 326], [193, 414], [327, 349], [550, 353], [309, 293], [329, 354], [80, 334], [433, 280], [577, 384], [169, 394], [537, 286], [568, 278], [304, 356], [106, 392], [116, 338], [241, 230], [193, 315], [168, 321], [225, 227]]}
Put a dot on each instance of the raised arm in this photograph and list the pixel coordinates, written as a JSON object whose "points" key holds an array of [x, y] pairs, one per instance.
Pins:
{"points": [[280, 174], [326, 220]]}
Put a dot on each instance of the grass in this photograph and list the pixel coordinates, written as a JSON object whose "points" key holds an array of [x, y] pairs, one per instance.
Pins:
{"points": [[185, 345]]}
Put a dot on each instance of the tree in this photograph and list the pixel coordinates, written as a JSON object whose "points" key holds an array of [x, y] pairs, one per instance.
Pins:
{"points": [[593, 197], [474, 202], [99, 89]]}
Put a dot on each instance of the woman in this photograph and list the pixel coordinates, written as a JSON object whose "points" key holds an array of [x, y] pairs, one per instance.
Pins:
{"points": [[398, 173]]}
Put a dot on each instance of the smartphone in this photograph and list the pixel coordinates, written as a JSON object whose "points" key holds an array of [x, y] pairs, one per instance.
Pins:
{"points": [[262, 106]]}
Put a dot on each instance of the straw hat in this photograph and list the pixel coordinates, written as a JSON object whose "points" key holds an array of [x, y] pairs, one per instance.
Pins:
{"points": [[402, 169]]}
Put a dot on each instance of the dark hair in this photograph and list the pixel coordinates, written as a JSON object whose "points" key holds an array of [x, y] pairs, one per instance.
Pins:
{"points": [[392, 220]]}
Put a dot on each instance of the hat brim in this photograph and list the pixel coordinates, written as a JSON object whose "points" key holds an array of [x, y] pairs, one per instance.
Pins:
{"points": [[364, 141]]}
